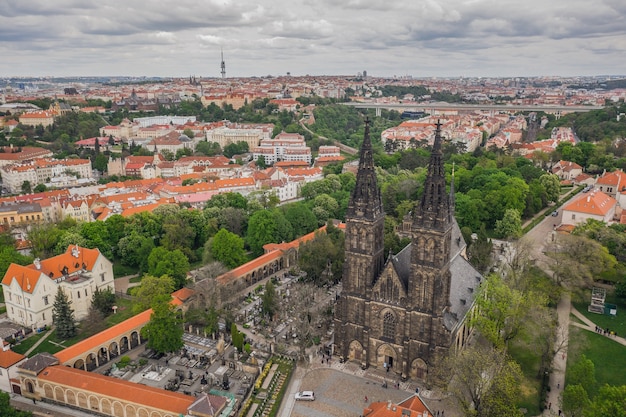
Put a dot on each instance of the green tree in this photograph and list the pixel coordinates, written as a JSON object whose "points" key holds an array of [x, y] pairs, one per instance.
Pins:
{"points": [[575, 400], [40, 188], [480, 250], [302, 219], [470, 376], [6, 410], [44, 238], [100, 162], [150, 289], [260, 162], [317, 257], [63, 316], [9, 255], [609, 401], [502, 397], [237, 337], [510, 226], [576, 260], [261, 230], [227, 248], [26, 187], [552, 185], [134, 250], [165, 329], [103, 301], [583, 372], [269, 302], [172, 263], [501, 311]]}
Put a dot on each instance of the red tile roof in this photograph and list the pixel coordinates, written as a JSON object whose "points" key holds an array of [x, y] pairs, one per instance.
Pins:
{"points": [[161, 399], [9, 358], [595, 202], [388, 409], [27, 276], [103, 337]]}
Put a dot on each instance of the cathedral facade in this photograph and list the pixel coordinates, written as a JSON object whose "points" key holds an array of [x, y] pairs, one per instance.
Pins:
{"points": [[398, 314]]}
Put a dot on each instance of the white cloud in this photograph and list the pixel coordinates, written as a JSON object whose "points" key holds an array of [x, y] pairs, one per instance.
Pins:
{"points": [[423, 38]]}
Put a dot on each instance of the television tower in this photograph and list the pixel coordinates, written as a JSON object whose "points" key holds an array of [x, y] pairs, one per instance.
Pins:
{"points": [[223, 65]]}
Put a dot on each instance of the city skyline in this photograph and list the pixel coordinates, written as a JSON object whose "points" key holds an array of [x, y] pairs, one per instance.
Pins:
{"points": [[436, 38]]}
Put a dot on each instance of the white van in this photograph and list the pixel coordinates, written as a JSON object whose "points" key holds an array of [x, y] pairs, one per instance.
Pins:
{"points": [[305, 396]]}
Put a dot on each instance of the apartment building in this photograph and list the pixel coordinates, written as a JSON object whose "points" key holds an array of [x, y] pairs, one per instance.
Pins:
{"points": [[284, 147], [252, 134], [45, 170]]}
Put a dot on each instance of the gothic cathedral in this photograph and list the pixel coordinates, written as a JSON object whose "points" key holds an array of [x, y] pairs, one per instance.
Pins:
{"points": [[396, 314]]}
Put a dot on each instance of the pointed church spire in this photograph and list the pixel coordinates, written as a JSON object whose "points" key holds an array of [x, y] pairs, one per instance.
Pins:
{"points": [[366, 201], [452, 202], [434, 209]]}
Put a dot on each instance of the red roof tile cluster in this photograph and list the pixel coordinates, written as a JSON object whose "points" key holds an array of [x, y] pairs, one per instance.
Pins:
{"points": [[172, 402]]}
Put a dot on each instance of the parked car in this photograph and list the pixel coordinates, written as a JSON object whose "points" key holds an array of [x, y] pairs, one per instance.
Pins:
{"points": [[555, 213], [305, 396]]}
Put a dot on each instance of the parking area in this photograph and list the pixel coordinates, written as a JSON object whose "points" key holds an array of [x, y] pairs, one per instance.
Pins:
{"points": [[340, 394]]}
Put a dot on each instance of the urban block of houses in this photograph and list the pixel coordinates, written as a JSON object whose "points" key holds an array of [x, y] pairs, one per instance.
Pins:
{"points": [[54, 172], [18, 155], [29, 291]]}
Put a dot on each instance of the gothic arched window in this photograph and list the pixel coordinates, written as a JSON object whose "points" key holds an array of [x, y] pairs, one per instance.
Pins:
{"points": [[389, 325]]}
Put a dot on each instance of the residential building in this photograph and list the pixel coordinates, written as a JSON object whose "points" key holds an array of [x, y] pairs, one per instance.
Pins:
{"points": [[29, 291], [612, 183], [567, 170], [9, 362], [21, 214], [16, 155], [592, 205], [55, 172], [43, 118], [252, 134], [284, 147]]}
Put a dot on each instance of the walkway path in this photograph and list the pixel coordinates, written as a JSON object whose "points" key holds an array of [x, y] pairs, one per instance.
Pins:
{"points": [[559, 362], [591, 326], [38, 342]]}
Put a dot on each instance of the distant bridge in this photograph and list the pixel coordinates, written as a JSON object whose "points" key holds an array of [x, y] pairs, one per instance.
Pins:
{"points": [[443, 108]]}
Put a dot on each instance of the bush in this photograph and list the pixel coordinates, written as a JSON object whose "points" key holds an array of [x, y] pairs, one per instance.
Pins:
{"points": [[124, 362]]}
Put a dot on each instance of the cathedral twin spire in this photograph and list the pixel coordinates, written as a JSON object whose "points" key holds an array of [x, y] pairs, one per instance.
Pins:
{"points": [[366, 201], [435, 208]]}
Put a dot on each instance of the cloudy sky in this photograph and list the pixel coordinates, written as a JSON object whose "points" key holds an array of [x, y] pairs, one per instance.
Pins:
{"points": [[317, 37]]}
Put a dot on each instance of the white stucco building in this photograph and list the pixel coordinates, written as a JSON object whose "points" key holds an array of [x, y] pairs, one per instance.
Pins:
{"points": [[29, 291]]}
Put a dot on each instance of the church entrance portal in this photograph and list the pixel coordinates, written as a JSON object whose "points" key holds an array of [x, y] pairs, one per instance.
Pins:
{"points": [[356, 351], [386, 357]]}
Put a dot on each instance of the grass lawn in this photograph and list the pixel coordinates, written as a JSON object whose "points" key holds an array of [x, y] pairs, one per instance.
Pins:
{"points": [[531, 385], [27, 343], [607, 355], [616, 323], [53, 345]]}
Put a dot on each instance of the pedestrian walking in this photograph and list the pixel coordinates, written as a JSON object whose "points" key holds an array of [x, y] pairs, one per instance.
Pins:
{"points": [[366, 398]]}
